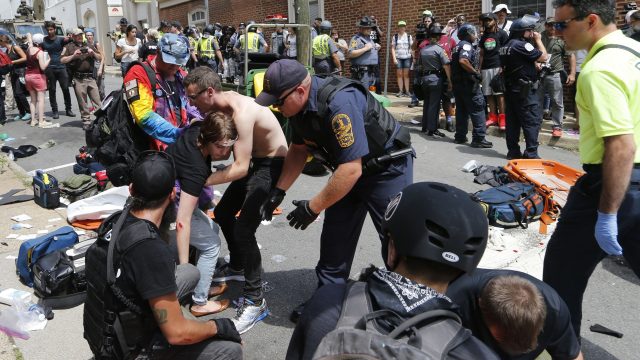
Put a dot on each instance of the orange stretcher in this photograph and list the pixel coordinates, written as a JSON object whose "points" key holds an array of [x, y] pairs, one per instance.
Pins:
{"points": [[552, 180]]}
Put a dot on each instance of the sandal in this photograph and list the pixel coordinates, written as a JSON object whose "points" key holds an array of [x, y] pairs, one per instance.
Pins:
{"points": [[33, 123], [224, 304], [218, 289]]}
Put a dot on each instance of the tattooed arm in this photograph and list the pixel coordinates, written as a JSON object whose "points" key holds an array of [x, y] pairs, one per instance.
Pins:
{"points": [[176, 329]]}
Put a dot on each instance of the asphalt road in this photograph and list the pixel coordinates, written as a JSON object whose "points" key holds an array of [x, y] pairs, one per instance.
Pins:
{"points": [[289, 255]]}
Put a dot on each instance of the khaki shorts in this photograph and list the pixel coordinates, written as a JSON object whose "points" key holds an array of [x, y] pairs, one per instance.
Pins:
{"points": [[487, 76]]}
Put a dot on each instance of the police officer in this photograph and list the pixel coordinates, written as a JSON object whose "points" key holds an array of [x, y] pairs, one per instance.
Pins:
{"points": [[363, 53], [194, 42], [255, 42], [325, 51], [434, 69], [208, 50], [518, 58], [466, 89], [339, 122]]}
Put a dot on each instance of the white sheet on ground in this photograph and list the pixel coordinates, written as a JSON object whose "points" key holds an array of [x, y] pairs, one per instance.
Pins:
{"points": [[99, 206]]}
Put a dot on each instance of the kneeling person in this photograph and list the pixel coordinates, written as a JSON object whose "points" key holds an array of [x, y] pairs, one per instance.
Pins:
{"points": [[193, 153], [140, 313], [429, 246], [515, 314]]}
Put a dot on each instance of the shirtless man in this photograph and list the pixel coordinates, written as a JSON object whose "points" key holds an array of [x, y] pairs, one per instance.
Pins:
{"points": [[258, 154]]}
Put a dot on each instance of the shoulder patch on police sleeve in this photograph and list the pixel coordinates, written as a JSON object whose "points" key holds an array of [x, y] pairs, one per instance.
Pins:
{"points": [[131, 89], [528, 47], [342, 129], [466, 47], [354, 43]]}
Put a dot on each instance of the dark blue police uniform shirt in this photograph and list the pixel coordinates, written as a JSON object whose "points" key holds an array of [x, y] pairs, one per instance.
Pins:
{"points": [[343, 126], [464, 50], [519, 57], [557, 335]]}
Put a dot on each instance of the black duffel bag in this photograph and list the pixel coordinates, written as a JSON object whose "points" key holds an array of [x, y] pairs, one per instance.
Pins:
{"points": [[57, 282], [497, 84]]}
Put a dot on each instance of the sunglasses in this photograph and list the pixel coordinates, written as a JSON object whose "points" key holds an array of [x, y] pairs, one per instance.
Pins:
{"points": [[562, 25], [280, 101], [193, 97]]}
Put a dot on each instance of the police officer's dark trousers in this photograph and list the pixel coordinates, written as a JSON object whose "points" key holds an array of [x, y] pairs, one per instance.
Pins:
{"points": [[343, 220], [365, 74], [573, 252], [523, 111], [432, 90], [58, 75], [469, 103], [246, 195]]}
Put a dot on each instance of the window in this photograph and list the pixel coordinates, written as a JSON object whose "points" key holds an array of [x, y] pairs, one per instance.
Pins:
{"points": [[197, 17]]}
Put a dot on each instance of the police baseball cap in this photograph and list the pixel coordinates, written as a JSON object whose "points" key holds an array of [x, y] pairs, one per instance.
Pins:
{"points": [[153, 176], [174, 49], [488, 16], [282, 75]]}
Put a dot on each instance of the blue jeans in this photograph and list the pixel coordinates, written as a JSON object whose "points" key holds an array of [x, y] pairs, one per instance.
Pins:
{"points": [[204, 237]]}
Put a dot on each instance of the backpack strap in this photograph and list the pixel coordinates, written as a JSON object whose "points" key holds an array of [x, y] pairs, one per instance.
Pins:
{"points": [[133, 235], [355, 306], [151, 74], [617, 46]]}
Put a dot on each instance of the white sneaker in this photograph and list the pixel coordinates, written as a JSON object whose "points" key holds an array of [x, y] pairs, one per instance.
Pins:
{"points": [[248, 314]]}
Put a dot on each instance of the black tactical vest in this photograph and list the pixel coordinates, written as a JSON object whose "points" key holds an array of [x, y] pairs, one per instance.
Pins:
{"points": [[114, 326], [384, 134]]}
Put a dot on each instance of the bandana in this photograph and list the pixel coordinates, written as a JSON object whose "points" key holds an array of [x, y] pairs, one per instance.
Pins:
{"points": [[393, 291]]}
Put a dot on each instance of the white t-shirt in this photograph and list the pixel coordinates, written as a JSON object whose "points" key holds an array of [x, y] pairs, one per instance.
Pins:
{"points": [[128, 56], [402, 46], [340, 51], [506, 26], [292, 50]]}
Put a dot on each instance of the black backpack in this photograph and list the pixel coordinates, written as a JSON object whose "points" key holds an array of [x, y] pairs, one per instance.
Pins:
{"points": [[114, 138], [430, 335], [114, 326]]}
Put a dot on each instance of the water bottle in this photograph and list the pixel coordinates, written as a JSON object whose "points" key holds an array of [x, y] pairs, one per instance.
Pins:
{"points": [[31, 315]]}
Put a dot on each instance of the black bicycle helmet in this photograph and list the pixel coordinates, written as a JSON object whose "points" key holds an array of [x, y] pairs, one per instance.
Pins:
{"points": [[437, 222]]}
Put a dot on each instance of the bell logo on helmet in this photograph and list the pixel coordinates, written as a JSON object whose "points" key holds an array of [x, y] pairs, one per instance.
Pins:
{"points": [[451, 257], [393, 205]]}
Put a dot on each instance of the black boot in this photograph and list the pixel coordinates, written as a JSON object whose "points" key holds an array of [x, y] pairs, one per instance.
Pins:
{"points": [[484, 144]]}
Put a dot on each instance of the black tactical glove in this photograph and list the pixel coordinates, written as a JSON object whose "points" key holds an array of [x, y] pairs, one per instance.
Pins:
{"points": [[227, 330], [302, 215], [275, 198], [477, 77]]}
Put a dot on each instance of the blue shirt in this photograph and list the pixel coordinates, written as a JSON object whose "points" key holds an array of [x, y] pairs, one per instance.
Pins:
{"points": [[54, 48], [368, 58], [341, 132], [518, 58], [464, 50]]}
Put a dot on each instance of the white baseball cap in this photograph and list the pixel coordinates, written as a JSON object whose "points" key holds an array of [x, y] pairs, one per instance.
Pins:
{"points": [[501, 7]]}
